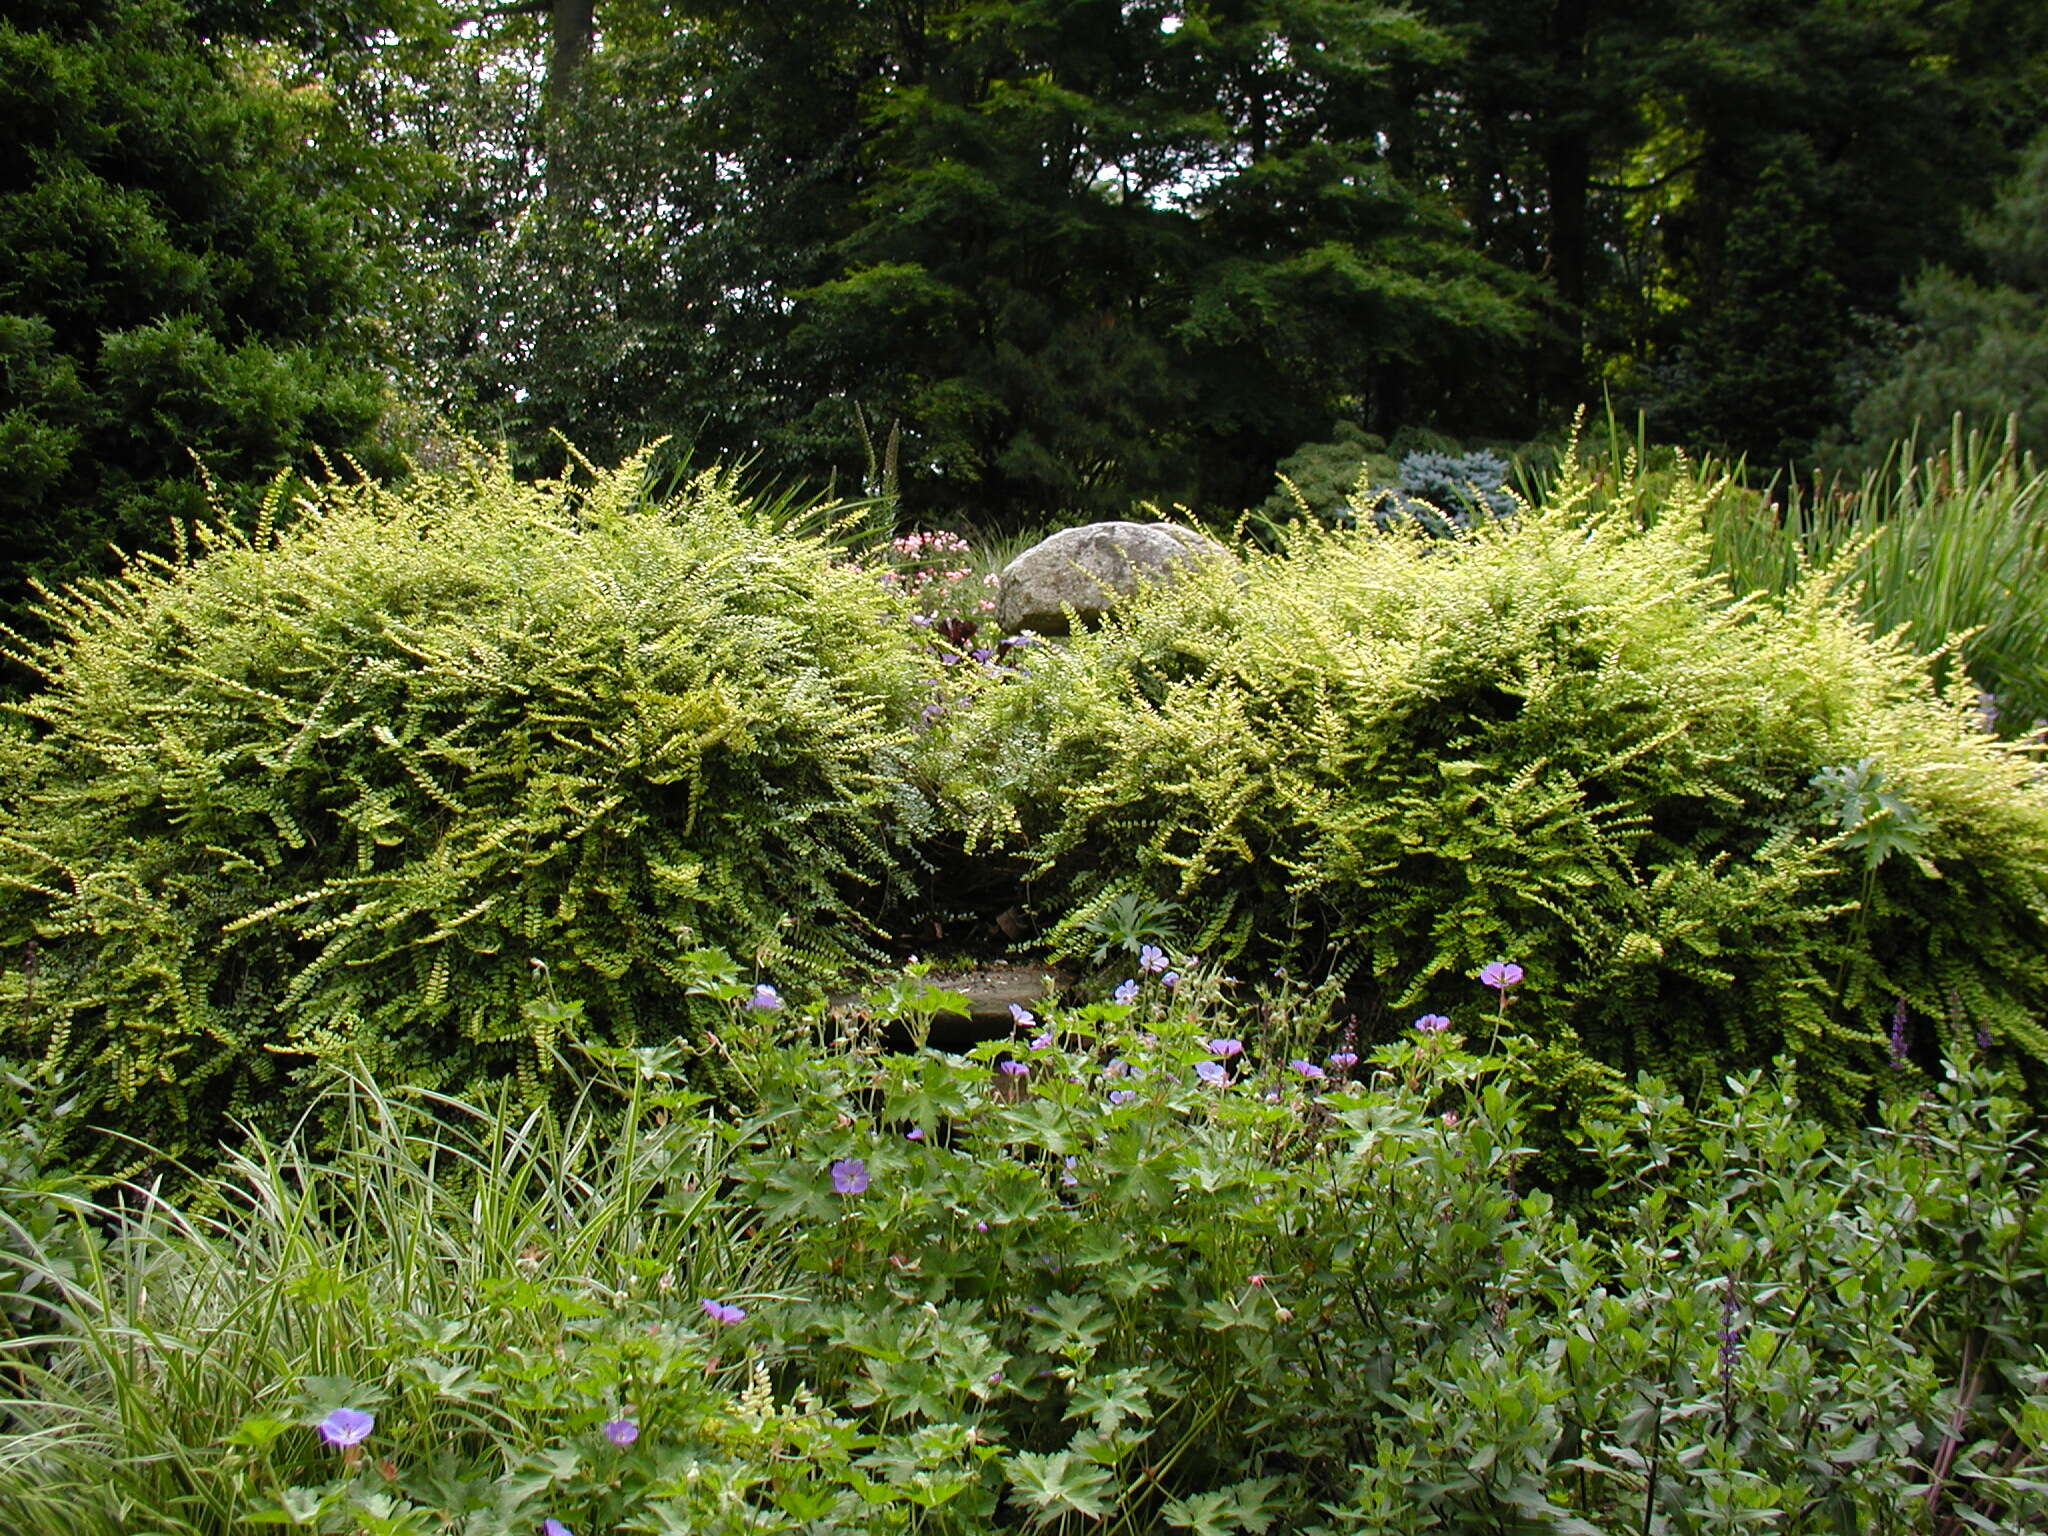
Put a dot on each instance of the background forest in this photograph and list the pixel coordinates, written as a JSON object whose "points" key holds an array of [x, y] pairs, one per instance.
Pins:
{"points": [[1022, 259]]}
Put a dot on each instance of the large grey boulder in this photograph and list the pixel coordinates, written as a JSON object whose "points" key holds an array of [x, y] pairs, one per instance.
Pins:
{"points": [[1088, 568]]}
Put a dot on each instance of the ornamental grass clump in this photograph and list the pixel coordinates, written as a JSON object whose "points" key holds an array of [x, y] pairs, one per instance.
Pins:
{"points": [[443, 1317], [379, 784], [1712, 830]]}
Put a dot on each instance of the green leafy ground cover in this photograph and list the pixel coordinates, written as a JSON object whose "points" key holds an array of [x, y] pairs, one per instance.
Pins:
{"points": [[1147, 1278]]}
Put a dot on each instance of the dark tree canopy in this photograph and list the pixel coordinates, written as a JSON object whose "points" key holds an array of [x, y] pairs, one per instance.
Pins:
{"points": [[1979, 337], [1077, 253], [1067, 253], [177, 279]]}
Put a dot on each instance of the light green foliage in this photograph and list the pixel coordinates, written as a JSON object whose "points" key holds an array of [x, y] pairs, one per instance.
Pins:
{"points": [[1562, 744], [1110, 1295], [337, 792]]}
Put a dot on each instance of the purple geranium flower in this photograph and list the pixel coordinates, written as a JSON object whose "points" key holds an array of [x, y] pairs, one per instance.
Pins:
{"points": [[915, 1133], [347, 1426], [850, 1176], [765, 997], [553, 1527], [1500, 975], [1151, 958], [1432, 1023], [1306, 1068], [1121, 1096], [1344, 1061], [1013, 1068], [1225, 1048], [720, 1312], [1041, 1042], [1211, 1071], [1127, 992], [1024, 1016], [621, 1432], [1170, 980]]}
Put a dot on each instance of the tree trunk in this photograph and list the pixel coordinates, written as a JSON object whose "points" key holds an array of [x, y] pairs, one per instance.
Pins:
{"points": [[572, 26], [1567, 170]]}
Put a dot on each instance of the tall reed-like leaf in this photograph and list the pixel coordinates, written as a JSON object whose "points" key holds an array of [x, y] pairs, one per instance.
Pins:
{"points": [[436, 1236], [1949, 547]]}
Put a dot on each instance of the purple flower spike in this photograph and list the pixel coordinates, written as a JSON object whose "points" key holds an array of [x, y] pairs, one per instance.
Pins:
{"points": [[1024, 1016], [765, 998], [1012, 1068], [720, 1312], [850, 1176], [1500, 975], [1126, 993], [347, 1426], [1226, 1048], [1432, 1023], [1152, 958], [1211, 1071], [1307, 1069], [553, 1527], [621, 1432]]}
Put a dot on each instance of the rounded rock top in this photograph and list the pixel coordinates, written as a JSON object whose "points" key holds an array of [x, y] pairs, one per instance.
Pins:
{"points": [[1089, 568]]}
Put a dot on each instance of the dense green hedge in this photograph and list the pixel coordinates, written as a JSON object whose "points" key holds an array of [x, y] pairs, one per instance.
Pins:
{"points": [[332, 792], [1711, 831], [338, 790]]}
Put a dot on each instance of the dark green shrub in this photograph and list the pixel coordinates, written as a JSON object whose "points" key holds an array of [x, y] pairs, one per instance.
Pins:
{"points": [[1319, 478], [180, 274], [342, 792], [1561, 744], [1979, 337], [1191, 1291]]}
